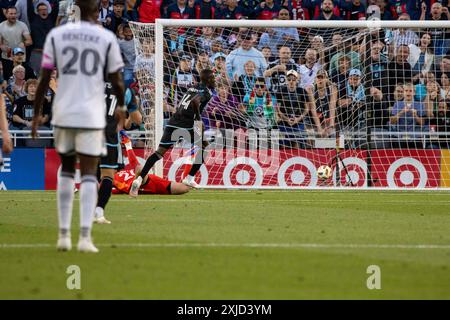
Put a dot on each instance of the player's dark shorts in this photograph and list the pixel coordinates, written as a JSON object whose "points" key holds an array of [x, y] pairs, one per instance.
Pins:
{"points": [[172, 135], [113, 158]]}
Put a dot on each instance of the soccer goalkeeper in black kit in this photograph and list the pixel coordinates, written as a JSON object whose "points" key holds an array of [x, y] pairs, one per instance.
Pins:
{"points": [[181, 124]]}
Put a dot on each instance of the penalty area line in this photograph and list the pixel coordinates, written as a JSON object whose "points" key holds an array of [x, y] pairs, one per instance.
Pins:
{"points": [[240, 245]]}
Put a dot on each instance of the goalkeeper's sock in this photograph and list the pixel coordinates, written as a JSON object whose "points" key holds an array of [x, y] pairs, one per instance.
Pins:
{"points": [[88, 199], [66, 185], [132, 158], [149, 164], [104, 192]]}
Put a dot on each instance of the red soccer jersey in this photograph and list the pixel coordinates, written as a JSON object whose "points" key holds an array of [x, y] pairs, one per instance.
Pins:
{"points": [[155, 185]]}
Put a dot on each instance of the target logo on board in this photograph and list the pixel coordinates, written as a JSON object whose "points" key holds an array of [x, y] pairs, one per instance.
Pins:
{"points": [[297, 171], [243, 171], [407, 173], [175, 172], [356, 172]]}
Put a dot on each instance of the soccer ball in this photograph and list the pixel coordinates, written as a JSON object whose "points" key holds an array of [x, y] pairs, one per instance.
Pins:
{"points": [[324, 172]]}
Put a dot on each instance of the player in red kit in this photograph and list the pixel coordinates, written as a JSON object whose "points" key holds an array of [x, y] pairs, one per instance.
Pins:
{"points": [[152, 184]]}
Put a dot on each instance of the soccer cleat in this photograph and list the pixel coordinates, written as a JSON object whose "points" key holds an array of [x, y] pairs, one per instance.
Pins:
{"points": [[101, 220], [134, 190], [64, 243], [190, 183], [85, 245]]}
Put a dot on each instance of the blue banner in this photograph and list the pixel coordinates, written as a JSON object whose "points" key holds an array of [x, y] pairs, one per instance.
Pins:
{"points": [[23, 169]]}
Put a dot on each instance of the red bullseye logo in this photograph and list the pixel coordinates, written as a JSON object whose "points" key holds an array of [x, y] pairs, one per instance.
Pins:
{"points": [[407, 173], [355, 175], [297, 172], [243, 171]]}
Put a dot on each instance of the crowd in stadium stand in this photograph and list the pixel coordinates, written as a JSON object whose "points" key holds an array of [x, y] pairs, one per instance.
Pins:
{"points": [[295, 80]]}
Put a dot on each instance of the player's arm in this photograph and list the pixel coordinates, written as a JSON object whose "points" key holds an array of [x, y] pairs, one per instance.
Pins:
{"points": [[7, 143], [39, 99], [195, 103]]}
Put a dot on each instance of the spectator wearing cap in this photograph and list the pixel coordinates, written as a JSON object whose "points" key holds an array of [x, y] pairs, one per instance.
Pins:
{"points": [[219, 67], [182, 79], [117, 17], [128, 53], [351, 100], [274, 37], [259, 107], [19, 60], [237, 58], [26, 10], [40, 27], [276, 71], [293, 110], [13, 34], [267, 10]]}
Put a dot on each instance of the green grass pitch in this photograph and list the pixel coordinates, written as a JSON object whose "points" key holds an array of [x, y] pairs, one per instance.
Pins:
{"points": [[234, 245]]}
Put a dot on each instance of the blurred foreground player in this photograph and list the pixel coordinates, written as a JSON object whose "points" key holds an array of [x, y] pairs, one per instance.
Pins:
{"points": [[181, 124], [84, 54], [151, 184], [109, 164]]}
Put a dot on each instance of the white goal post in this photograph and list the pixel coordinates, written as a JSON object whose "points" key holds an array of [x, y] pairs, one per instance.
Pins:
{"points": [[375, 156]]}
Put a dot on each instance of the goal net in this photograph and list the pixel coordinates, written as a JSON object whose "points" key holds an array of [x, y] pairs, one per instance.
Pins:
{"points": [[369, 99]]}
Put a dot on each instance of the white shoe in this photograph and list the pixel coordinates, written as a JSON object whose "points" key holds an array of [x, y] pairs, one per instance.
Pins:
{"points": [[101, 220], [99, 216], [190, 183], [86, 245], [134, 190], [64, 243]]}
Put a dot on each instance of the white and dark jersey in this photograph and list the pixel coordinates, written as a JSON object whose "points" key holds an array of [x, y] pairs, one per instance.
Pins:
{"points": [[185, 115], [83, 53]]}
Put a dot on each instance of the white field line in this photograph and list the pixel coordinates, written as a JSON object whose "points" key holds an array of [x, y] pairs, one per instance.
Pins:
{"points": [[150, 199], [318, 190], [240, 245]]}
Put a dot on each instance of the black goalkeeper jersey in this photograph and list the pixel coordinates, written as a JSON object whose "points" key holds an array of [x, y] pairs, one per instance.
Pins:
{"points": [[185, 115], [111, 122]]}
